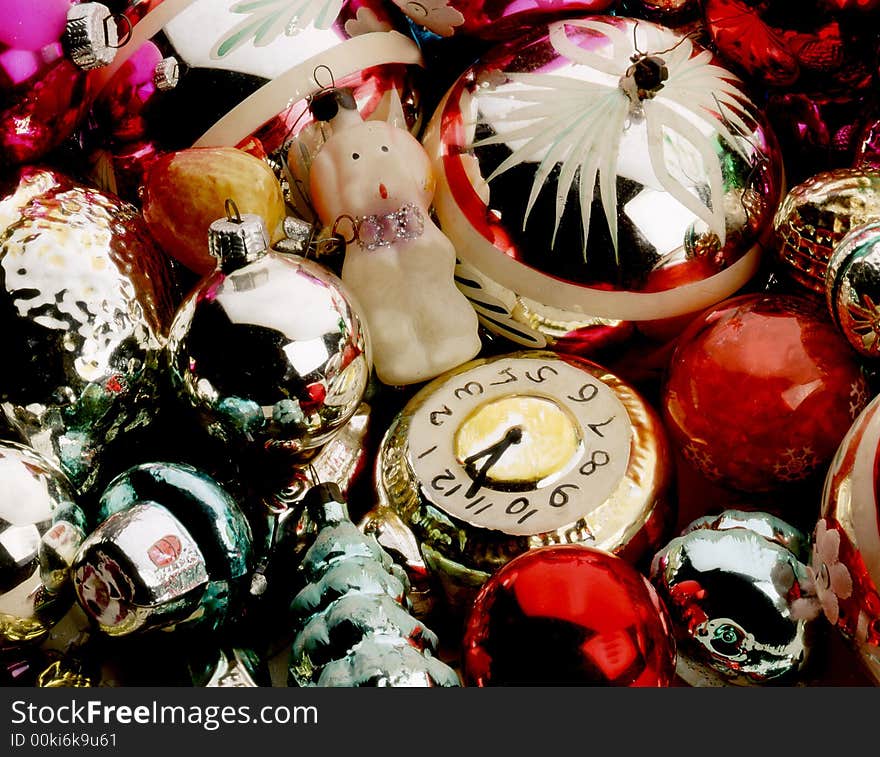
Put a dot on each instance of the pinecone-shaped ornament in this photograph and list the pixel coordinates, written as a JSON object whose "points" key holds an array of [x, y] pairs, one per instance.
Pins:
{"points": [[353, 622]]}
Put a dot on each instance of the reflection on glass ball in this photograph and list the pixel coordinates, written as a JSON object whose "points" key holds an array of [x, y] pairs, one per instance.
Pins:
{"points": [[274, 354]]}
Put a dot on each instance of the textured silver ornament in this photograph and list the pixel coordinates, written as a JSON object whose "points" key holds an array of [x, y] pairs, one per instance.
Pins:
{"points": [[90, 36], [85, 303], [852, 288]]}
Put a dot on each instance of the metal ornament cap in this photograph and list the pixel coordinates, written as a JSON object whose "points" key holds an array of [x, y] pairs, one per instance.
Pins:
{"points": [[852, 288], [166, 74], [90, 36], [237, 240]]}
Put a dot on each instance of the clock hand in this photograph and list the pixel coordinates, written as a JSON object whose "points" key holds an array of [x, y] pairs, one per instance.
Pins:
{"points": [[492, 454]]}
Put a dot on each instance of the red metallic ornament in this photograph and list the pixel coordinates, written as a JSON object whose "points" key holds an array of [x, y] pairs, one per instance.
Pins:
{"points": [[816, 59], [44, 85], [568, 615], [761, 390]]}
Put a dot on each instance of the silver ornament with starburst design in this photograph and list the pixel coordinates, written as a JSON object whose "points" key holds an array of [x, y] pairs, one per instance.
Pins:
{"points": [[607, 171]]}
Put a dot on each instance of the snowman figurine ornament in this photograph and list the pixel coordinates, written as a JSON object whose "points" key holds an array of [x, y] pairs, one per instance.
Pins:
{"points": [[371, 182]]}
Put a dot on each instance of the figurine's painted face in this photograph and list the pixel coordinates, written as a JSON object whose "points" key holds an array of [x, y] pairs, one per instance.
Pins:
{"points": [[370, 167]]}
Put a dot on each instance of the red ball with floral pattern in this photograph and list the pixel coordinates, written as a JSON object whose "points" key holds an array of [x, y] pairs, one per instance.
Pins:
{"points": [[568, 615], [760, 391], [845, 564]]}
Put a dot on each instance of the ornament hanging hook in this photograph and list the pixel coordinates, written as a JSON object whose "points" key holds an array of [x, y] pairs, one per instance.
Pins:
{"points": [[334, 231], [232, 214], [126, 36], [325, 67]]}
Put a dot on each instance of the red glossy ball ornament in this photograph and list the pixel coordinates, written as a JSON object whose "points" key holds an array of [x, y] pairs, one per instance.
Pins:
{"points": [[568, 615], [760, 390]]}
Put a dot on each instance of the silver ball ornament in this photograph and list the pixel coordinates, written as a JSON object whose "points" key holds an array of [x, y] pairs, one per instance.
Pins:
{"points": [[41, 528], [270, 350], [740, 598]]}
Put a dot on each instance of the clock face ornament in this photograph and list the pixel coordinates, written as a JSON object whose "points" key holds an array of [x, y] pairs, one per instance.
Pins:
{"points": [[520, 447], [524, 450]]}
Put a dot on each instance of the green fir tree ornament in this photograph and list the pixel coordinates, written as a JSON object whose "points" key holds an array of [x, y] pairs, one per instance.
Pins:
{"points": [[352, 617]]}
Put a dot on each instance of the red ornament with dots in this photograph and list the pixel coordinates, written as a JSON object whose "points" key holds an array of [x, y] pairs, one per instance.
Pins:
{"points": [[568, 615], [760, 390]]}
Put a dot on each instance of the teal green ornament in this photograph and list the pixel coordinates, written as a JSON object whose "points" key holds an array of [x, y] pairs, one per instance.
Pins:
{"points": [[353, 623], [173, 550]]}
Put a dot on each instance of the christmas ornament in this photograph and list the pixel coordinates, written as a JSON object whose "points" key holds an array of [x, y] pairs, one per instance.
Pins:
{"points": [[844, 561], [515, 452], [733, 593], [354, 628], [568, 615], [868, 146], [493, 19], [172, 550], [184, 191], [86, 300], [41, 527], [677, 181], [269, 350], [760, 390], [373, 181], [852, 285], [815, 216], [44, 57], [243, 73], [816, 61]]}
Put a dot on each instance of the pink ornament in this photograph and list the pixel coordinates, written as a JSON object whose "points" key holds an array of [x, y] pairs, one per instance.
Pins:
{"points": [[44, 88], [239, 75], [568, 615], [845, 565], [760, 391]]}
